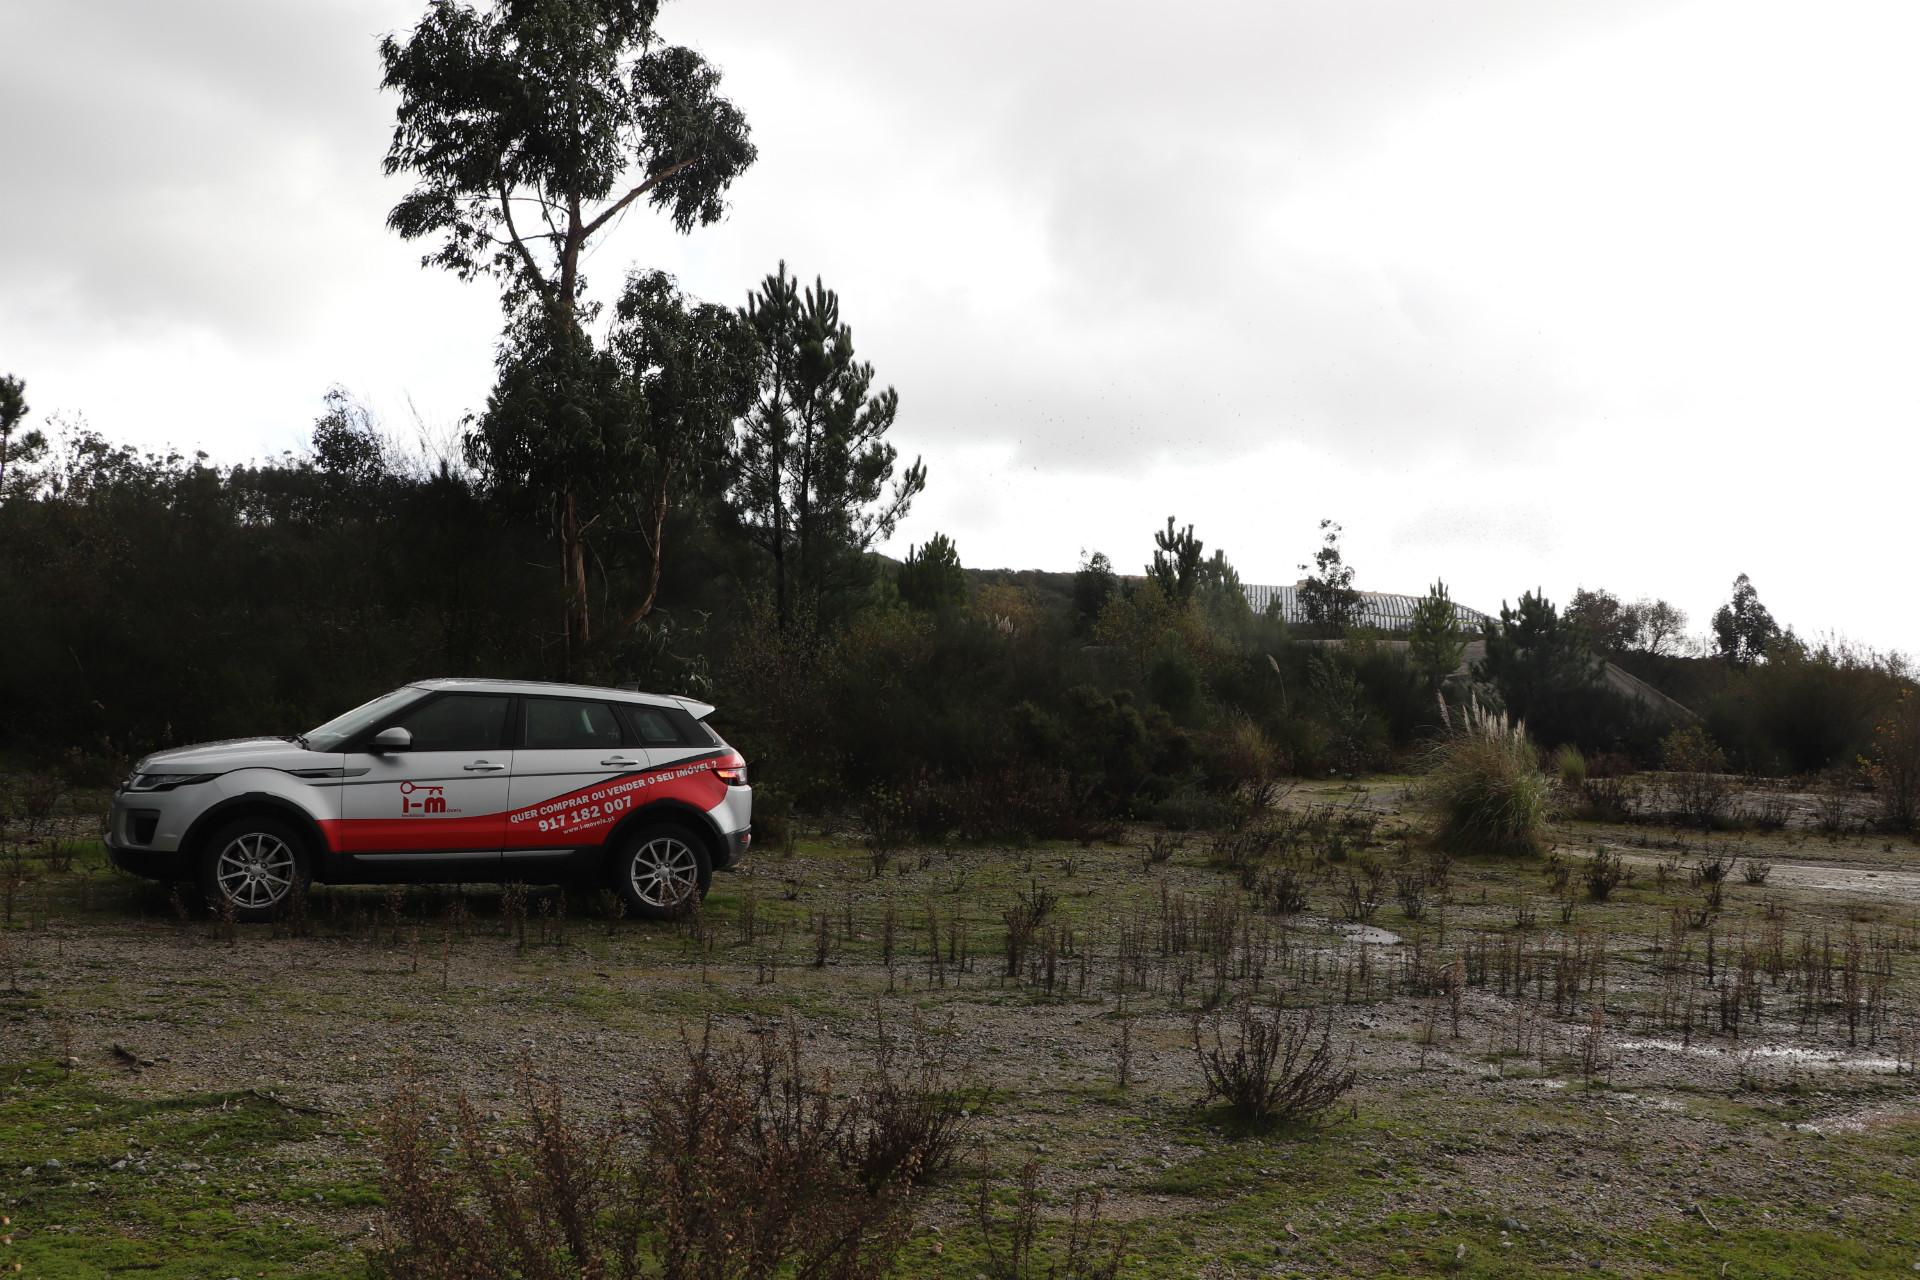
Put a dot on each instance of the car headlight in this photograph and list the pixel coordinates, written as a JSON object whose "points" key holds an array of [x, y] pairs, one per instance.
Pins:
{"points": [[165, 781]]}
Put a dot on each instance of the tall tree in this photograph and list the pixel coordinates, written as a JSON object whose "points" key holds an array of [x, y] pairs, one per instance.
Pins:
{"points": [[531, 126], [1327, 596], [931, 578], [1435, 639], [1176, 562], [1535, 656], [1221, 595], [13, 412], [1661, 625], [1742, 627], [1093, 586], [1611, 625], [690, 370], [815, 482]]}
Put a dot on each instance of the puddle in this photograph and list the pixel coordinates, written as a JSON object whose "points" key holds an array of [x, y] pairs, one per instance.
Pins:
{"points": [[1828, 1059], [1369, 933]]}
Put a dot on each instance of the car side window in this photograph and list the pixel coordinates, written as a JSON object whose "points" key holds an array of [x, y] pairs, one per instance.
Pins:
{"points": [[559, 724], [458, 722], [655, 727]]}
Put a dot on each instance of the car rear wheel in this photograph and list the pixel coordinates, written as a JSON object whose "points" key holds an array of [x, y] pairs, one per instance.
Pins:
{"points": [[252, 867], [663, 871]]}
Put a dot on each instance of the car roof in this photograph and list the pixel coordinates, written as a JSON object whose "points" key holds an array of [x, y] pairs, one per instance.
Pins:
{"points": [[699, 710]]}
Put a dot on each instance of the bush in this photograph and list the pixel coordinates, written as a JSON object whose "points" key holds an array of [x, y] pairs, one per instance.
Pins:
{"points": [[1281, 1070], [1696, 777], [748, 1166], [1485, 786], [1894, 769], [1604, 872], [1190, 809]]}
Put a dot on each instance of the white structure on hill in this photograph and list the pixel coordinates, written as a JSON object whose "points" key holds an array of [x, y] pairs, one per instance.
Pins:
{"points": [[1379, 609]]}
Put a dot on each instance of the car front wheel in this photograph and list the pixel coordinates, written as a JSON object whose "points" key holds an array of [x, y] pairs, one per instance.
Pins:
{"points": [[662, 871], [252, 867]]}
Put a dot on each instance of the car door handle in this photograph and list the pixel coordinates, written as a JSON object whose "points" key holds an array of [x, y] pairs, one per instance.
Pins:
{"points": [[610, 761], [481, 766]]}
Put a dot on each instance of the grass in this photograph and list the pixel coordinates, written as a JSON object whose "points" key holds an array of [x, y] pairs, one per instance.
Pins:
{"points": [[119, 1182]]}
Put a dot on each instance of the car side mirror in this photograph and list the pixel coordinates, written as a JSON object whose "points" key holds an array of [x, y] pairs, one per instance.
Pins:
{"points": [[394, 739]]}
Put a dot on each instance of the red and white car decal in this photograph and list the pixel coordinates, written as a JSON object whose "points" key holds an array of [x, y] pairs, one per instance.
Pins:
{"points": [[423, 821]]}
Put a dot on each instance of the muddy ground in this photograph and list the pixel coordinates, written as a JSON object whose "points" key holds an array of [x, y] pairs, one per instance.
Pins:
{"points": [[1548, 1083]]}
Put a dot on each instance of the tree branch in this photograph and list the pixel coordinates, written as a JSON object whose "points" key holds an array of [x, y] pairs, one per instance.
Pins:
{"points": [[635, 194], [526, 257]]}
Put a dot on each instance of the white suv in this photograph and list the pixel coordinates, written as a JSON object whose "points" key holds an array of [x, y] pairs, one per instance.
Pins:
{"points": [[449, 781]]}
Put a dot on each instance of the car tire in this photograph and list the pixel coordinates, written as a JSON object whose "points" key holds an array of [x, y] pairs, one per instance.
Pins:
{"points": [[252, 866], [662, 870]]}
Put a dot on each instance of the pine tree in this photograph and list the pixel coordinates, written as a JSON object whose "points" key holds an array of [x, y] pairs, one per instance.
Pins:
{"points": [[815, 482], [1435, 639], [931, 578]]}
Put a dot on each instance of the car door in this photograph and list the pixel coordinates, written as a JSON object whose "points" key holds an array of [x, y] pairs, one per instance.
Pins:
{"points": [[442, 802], [566, 796]]}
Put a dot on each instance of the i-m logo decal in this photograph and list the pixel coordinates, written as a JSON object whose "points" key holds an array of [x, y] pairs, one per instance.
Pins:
{"points": [[418, 800]]}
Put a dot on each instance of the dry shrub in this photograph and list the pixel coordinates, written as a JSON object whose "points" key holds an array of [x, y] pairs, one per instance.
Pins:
{"points": [[1281, 1070], [1484, 784], [1013, 1248], [1696, 779], [743, 1164], [916, 1116], [1603, 872]]}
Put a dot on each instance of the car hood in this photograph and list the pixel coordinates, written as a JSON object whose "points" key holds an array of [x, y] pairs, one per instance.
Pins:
{"points": [[239, 753]]}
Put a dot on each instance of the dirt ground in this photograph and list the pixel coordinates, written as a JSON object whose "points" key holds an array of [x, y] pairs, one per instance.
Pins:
{"points": [[1548, 1083]]}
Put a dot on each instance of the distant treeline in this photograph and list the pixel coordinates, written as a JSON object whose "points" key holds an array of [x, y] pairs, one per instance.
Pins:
{"points": [[154, 600]]}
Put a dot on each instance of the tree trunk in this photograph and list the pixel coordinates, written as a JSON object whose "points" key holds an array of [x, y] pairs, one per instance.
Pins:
{"points": [[657, 547], [573, 568]]}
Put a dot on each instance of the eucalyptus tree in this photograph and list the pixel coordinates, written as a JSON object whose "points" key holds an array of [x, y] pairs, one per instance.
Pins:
{"points": [[531, 127]]}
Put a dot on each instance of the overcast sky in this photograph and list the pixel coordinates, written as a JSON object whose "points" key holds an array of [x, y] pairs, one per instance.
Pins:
{"points": [[1522, 293]]}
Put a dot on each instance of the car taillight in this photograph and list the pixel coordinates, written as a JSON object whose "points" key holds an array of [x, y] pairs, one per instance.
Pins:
{"points": [[734, 775]]}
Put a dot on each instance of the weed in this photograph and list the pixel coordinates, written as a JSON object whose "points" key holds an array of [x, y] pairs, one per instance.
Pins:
{"points": [[1013, 1247], [1281, 1070], [1603, 873]]}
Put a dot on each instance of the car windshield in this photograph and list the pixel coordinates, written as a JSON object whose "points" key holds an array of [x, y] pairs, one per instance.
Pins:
{"points": [[336, 732]]}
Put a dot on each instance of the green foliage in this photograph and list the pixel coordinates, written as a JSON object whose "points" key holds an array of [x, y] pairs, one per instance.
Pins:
{"points": [[13, 412], [1743, 630], [1094, 586], [1484, 785], [1609, 625], [1435, 640], [1175, 567], [1533, 655], [1688, 749], [931, 578], [1327, 595], [1894, 767], [812, 461], [1222, 599], [1570, 766], [530, 126], [519, 121], [1546, 673]]}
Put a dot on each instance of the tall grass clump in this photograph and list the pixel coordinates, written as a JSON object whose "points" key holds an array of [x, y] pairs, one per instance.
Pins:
{"points": [[1570, 766], [1484, 783]]}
